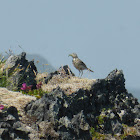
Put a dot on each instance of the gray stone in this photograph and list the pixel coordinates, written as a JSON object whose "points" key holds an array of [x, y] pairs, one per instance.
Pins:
{"points": [[19, 71], [10, 127], [136, 111], [47, 131]]}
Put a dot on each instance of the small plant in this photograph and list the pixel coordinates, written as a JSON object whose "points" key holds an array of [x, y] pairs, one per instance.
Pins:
{"points": [[100, 119], [3, 77], [96, 135], [34, 92], [92, 130]]}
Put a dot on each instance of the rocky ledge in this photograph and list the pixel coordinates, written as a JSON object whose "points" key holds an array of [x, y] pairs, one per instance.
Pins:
{"points": [[106, 111]]}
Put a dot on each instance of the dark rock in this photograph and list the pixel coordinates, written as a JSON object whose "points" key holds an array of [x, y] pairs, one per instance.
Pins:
{"points": [[63, 71], [20, 71], [50, 75], [80, 125], [76, 128], [22, 132], [13, 111], [10, 127], [52, 107], [111, 122], [105, 107], [116, 81], [136, 111], [132, 138], [4, 133], [5, 125], [48, 107]]}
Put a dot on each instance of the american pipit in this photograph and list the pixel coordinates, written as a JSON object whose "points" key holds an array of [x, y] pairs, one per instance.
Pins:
{"points": [[79, 64]]}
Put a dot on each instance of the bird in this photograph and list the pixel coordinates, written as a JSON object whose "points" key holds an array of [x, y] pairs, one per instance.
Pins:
{"points": [[79, 64]]}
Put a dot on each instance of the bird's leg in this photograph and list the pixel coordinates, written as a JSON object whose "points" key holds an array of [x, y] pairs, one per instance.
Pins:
{"points": [[81, 73]]}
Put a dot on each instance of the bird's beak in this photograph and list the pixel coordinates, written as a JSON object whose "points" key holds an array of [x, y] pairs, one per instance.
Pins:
{"points": [[69, 55]]}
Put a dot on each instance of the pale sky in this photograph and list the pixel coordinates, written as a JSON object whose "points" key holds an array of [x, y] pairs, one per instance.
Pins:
{"points": [[104, 33]]}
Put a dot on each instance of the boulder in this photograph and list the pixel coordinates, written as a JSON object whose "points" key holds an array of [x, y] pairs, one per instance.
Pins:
{"points": [[105, 107], [19, 70]]}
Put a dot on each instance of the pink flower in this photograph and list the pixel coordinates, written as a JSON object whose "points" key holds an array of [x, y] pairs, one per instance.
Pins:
{"points": [[1, 107], [24, 86]]}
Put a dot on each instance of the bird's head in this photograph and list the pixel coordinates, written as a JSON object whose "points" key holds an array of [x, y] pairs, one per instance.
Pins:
{"points": [[74, 55]]}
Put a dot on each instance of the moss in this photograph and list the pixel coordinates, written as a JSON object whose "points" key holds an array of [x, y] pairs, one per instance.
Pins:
{"points": [[100, 119], [96, 135], [124, 125]]}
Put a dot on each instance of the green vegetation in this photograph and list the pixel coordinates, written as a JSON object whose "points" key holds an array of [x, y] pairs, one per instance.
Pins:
{"points": [[38, 93], [96, 135], [128, 131], [101, 119], [3, 77]]}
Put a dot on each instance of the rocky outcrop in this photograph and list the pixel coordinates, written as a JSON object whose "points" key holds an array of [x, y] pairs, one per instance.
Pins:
{"points": [[105, 107], [10, 126], [63, 71], [19, 70]]}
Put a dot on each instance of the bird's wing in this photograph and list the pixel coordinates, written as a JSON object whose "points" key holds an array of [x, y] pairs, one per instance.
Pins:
{"points": [[81, 64]]}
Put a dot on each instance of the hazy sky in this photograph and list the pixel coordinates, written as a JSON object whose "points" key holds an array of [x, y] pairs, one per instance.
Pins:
{"points": [[104, 33]]}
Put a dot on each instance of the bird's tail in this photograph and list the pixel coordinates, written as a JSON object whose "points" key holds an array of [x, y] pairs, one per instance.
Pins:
{"points": [[90, 70]]}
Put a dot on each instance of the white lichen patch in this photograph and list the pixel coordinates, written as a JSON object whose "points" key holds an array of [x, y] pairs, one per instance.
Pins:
{"points": [[17, 99], [69, 84], [40, 76]]}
